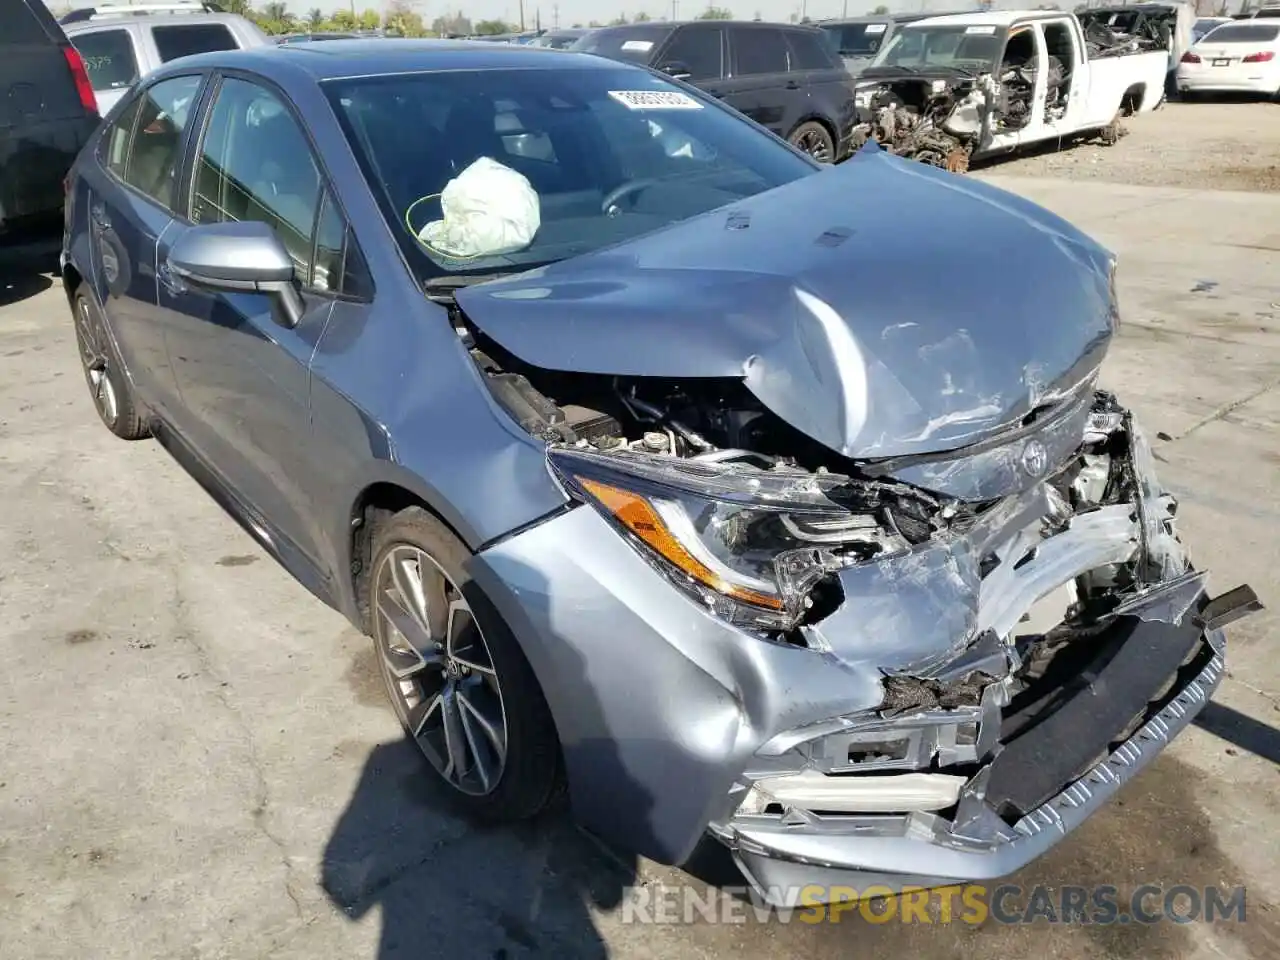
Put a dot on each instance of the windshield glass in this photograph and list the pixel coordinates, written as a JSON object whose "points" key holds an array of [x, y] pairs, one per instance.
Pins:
{"points": [[965, 48], [600, 155], [634, 43], [855, 39]]}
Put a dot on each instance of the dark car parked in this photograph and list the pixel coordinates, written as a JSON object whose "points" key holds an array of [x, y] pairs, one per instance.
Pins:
{"points": [[785, 78], [727, 496], [858, 39], [47, 111]]}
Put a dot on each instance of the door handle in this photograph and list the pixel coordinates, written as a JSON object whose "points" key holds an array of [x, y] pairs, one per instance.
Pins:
{"points": [[98, 216], [793, 85]]}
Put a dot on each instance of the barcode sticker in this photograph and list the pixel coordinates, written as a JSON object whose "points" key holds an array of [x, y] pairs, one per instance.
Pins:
{"points": [[874, 28], [655, 100], [980, 29], [640, 46]]}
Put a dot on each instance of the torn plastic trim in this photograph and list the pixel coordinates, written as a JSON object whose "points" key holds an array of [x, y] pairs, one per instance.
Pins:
{"points": [[923, 848]]}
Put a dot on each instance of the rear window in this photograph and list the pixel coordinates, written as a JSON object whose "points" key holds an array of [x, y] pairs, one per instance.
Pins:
{"points": [[808, 52], [856, 39], [188, 39], [636, 44], [21, 24], [1243, 33], [108, 58]]}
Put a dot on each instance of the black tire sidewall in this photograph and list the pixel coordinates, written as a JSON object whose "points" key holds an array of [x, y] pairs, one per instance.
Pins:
{"points": [[128, 424], [815, 126], [532, 772]]}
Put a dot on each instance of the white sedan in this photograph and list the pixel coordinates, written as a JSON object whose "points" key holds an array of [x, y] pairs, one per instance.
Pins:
{"points": [[1241, 56]]}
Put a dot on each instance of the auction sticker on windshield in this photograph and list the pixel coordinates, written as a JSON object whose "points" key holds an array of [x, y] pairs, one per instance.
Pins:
{"points": [[980, 29], [874, 28], [640, 46], [655, 100]]}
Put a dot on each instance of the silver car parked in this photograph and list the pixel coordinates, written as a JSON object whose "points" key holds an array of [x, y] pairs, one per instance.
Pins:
{"points": [[715, 484]]}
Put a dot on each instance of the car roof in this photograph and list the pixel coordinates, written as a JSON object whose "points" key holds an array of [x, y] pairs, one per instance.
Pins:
{"points": [[996, 18], [337, 59], [149, 20]]}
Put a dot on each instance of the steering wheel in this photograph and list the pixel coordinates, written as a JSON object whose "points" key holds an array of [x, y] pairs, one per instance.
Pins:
{"points": [[623, 189]]}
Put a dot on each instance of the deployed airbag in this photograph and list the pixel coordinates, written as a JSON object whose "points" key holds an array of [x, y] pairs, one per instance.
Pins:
{"points": [[488, 209]]}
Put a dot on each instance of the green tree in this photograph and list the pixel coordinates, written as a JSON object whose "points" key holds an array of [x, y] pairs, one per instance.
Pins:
{"points": [[372, 20], [240, 7], [641, 17], [880, 11], [716, 13], [491, 28], [452, 25], [343, 20], [315, 18], [618, 21]]}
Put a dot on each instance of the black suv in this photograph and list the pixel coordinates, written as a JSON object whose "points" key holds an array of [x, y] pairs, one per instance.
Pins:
{"points": [[47, 111], [786, 78]]}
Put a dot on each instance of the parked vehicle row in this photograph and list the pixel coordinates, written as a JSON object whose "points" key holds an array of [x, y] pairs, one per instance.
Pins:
{"points": [[672, 499]]}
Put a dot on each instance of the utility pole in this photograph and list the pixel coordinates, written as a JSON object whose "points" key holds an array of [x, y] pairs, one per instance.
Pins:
{"points": [[555, 16], [522, 16]]}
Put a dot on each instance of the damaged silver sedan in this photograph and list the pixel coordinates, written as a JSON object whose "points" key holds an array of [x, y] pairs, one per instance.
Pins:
{"points": [[659, 461]]}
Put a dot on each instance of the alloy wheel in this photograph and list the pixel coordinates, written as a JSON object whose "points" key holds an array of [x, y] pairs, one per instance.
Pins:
{"points": [[816, 144], [439, 671], [94, 357]]}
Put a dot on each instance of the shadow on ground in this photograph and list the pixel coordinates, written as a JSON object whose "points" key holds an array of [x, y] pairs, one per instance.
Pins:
{"points": [[26, 259]]}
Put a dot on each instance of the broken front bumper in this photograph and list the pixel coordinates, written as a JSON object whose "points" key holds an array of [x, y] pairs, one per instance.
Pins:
{"points": [[673, 723]]}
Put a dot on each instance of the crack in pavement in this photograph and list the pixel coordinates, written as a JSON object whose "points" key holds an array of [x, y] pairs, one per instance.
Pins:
{"points": [[262, 793], [1227, 409]]}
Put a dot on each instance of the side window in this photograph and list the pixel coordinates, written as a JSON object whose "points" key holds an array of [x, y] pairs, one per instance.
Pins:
{"points": [[108, 58], [698, 48], [759, 51], [115, 143], [808, 52], [188, 39], [155, 151], [255, 163]]}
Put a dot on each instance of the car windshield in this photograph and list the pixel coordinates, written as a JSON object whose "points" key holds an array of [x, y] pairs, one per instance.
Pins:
{"points": [[625, 43], [964, 48], [855, 39], [602, 155]]}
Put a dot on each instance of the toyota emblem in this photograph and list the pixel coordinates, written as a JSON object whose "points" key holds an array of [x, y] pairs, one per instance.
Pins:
{"points": [[1035, 458]]}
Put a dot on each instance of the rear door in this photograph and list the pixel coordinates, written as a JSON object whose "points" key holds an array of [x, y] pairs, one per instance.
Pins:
{"points": [[44, 116], [130, 205], [760, 83]]}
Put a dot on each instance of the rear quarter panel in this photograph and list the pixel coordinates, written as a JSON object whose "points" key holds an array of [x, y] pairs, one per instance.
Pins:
{"points": [[1110, 78]]}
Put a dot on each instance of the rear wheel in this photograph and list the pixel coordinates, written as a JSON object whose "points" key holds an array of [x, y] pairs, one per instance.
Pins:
{"points": [[815, 140], [455, 674], [109, 388]]}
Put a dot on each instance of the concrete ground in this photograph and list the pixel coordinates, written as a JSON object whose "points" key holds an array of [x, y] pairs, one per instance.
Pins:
{"points": [[196, 761]]}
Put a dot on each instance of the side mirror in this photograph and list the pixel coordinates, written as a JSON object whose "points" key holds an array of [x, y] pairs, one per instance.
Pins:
{"points": [[674, 68], [244, 257]]}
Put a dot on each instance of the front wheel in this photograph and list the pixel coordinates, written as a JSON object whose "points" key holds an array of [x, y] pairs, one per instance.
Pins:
{"points": [[815, 140], [455, 674]]}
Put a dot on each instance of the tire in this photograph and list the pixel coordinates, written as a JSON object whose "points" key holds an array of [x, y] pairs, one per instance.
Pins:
{"points": [[109, 386], [529, 776], [815, 140]]}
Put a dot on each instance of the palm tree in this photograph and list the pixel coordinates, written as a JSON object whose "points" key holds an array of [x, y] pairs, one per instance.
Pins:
{"points": [[277, 11], [315, 17]]}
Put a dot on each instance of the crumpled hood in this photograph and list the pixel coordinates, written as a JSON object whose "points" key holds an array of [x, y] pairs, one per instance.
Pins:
{"points": [[882, 307]]}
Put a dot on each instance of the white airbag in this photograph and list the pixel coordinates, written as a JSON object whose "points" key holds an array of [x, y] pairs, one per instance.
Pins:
{"points": [[488, 209]]}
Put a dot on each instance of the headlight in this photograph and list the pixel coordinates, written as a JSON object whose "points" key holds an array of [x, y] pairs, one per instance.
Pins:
{"points": [[749, 543]]}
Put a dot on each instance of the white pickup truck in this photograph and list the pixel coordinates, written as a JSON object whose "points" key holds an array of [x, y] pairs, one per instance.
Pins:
{"points": [[947, 89]]}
